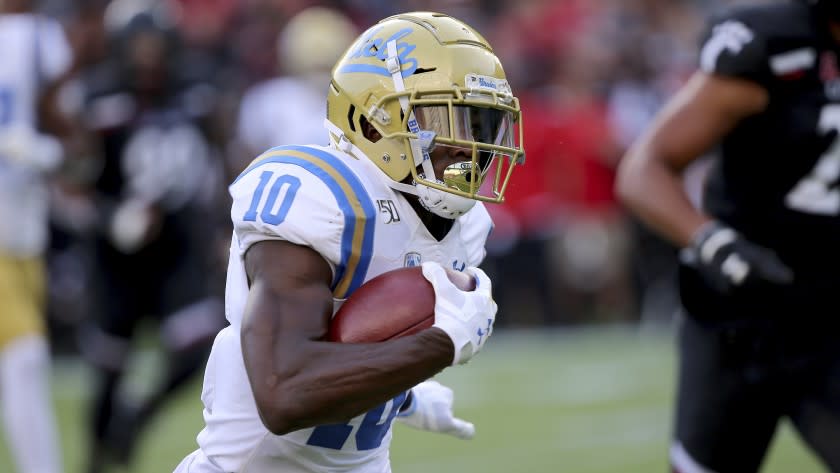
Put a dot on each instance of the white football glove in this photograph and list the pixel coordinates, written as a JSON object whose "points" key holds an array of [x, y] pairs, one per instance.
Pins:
{"points": [[24, 146], [466, 316], [431, 410]]}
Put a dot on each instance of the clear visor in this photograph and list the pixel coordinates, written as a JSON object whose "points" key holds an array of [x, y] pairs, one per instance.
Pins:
{"points": [[467, 124], [463, 125]]}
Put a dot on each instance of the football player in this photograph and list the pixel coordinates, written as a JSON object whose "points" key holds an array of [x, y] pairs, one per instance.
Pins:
{"points": [[758, 279], [423, 126], [36, 59], [153, 248]]}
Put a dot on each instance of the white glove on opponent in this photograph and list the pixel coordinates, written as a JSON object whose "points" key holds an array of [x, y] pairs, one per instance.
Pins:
{"points": [[24, 146], [466, 316], [431, 410]]}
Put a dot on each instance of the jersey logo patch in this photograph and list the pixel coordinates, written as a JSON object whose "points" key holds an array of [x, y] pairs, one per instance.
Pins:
{"points": [[388, 211], [412, 259]]}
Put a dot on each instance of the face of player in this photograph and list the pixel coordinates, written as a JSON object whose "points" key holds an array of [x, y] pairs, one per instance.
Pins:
{"points": [[445, 156]]}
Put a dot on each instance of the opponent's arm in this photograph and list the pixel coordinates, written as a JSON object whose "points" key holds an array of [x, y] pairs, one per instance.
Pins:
{"points": [[649, 178], [300, 381], [650, 183]]}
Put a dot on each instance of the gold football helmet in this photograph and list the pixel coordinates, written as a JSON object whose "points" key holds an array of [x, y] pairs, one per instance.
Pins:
{"points": [[423, 80]]}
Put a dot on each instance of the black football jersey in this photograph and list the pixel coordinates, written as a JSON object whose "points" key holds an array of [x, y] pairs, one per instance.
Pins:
{"points": [[154, 148], [777, 173]]}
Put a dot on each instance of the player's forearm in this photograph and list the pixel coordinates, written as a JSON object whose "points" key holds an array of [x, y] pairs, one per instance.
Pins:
{"points": [[358, 377], [322, 383]]}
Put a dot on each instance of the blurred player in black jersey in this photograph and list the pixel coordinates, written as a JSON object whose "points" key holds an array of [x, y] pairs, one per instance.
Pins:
{"points": [[154, 248], [760, 270]]}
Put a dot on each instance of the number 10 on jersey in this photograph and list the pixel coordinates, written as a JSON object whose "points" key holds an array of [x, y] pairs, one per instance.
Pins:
{"points": [[269, 214]]}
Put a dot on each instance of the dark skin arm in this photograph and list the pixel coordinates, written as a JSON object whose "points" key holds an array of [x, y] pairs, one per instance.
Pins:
{"points": [[300, 381], [649, 178]]}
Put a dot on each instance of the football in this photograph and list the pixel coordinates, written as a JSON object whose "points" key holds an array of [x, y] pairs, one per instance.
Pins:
{"points": [[392, 305]]}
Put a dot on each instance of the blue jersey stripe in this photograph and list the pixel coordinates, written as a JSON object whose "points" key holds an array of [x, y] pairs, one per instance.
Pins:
{"points": [[353, 200]]}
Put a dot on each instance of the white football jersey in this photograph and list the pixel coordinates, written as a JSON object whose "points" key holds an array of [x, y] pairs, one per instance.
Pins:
{"points": [[341, 208], [35, 52]]}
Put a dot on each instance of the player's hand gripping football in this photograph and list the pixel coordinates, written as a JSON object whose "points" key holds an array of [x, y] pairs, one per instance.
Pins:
{"points": [[727, 260], [466, 316], [431, 410]]}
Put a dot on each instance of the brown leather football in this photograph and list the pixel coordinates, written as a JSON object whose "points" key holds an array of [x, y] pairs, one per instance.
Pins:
{"points": [[394, 304]]}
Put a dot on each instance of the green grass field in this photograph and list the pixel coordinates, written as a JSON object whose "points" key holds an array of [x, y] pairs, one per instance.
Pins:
{"points": [[574, 401]]}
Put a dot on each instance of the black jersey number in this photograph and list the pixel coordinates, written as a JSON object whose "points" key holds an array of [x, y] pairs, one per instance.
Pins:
{"points": [[817, 193]]}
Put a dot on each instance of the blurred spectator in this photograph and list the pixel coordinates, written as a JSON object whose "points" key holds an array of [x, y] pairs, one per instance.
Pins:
{"points": [[208, 57], [589, 249], [290, 108], [529, 35], [205, 23], [570, 242], [655, 55], [71, 212], [518, 249], [474, 12], [154, 246], [36, 60], [256, 36]]}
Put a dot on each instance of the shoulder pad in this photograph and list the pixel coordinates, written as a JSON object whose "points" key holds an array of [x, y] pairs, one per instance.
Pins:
{"points": [[742, 42], [308, 196]]}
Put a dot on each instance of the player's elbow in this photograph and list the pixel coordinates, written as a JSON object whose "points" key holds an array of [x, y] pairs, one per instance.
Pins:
{"points": [[276, 423], [628, 181], [281, 416], [642, 170]]}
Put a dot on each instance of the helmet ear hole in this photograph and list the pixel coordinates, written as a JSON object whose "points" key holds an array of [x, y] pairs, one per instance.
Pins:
{"points": [[369, 131], [350, 112]]}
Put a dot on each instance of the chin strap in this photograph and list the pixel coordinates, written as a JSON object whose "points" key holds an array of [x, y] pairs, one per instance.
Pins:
{"points": [[421, 156]]}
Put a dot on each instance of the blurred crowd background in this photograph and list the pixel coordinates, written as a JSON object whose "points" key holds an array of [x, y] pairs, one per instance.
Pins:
{"points": [[251, 74]]}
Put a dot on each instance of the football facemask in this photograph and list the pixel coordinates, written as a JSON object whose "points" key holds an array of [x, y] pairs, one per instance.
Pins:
{"points": [[486, 133], [480, 120]]}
